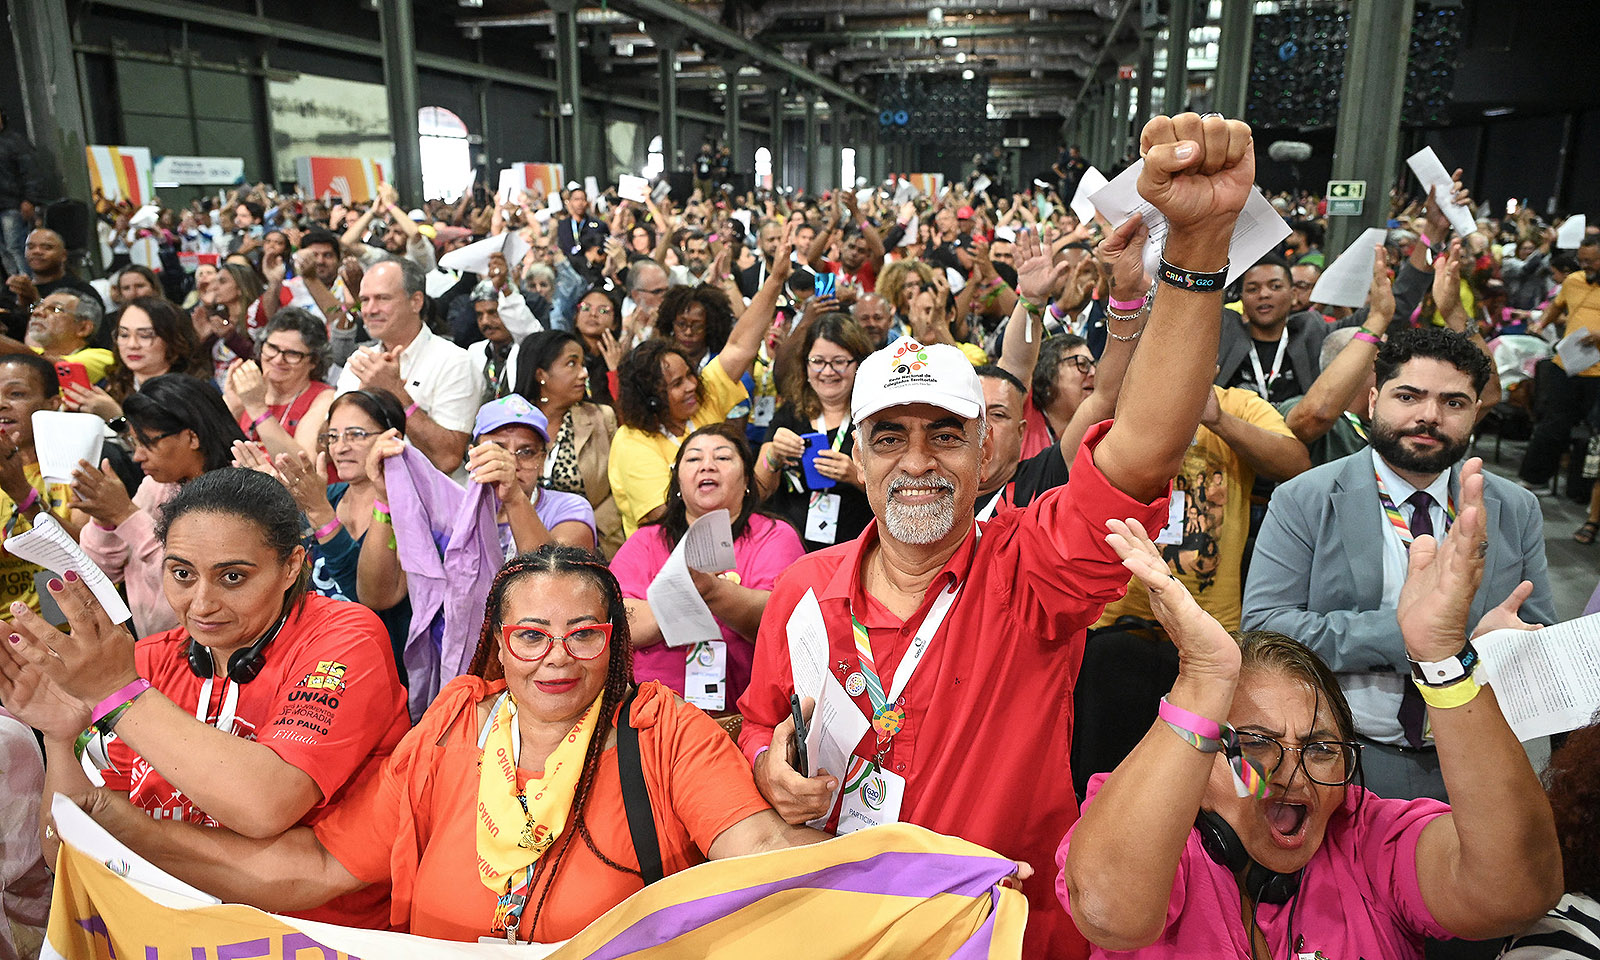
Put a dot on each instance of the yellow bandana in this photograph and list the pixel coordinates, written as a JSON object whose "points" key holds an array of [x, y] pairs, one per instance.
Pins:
{"points": [[515, 828]]}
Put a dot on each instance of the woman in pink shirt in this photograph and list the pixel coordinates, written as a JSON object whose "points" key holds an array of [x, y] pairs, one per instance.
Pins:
{"points": [[1232, 829], [715, 470]]}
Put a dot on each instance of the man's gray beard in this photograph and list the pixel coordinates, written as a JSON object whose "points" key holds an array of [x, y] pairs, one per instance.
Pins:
{"points": [[922, 523]]}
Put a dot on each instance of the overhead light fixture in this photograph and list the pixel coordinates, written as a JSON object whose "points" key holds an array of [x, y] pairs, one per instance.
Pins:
{"points": [[949, 41], [1498, 111], [967, 74], [961, 57], [471, 3], [936, 15]]}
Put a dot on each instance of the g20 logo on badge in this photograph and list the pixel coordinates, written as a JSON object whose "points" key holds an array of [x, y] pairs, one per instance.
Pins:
{"points": [[873, 792]]}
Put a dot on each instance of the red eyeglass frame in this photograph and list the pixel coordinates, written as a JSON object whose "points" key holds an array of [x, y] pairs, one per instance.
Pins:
{"points": [[507, 630]]}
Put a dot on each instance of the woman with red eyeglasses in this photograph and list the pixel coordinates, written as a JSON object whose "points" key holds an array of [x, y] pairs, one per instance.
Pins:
{"points": [[524, 748]]}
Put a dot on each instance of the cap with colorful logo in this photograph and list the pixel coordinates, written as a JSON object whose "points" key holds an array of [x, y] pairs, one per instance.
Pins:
{"points": [[910, 372]]}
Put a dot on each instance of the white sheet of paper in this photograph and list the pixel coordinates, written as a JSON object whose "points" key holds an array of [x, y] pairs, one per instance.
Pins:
{"points": [[1257, 231], [591, 186], [910, 235], [981, 184], [630, 187], [837, 725], [1577, 351], [708, 545], [49, 546], [808, 647], [1430, 172], [506, 190], [905, 191], [1346, 281], [436, 283], [662, 191], [1548, 680], [680, 612], [1570, 234], [1088, 185], [474, 257], [743, 216], [1172, 533], [63, 438]]}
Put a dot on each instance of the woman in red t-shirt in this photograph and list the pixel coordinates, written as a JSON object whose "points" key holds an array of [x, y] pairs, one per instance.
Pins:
{"points": [[255, 714], [284, 401], [509, 787]]}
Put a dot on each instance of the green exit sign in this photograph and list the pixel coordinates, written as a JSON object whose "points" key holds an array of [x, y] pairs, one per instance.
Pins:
{"points": [[1347, 189]]}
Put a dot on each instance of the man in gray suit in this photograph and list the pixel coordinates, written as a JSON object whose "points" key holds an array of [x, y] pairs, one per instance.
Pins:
{"points": [[1331, 555]]}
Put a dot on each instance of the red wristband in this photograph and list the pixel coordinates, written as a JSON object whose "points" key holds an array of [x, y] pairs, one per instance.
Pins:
{"points": [[118, 699], [1126, 305]]}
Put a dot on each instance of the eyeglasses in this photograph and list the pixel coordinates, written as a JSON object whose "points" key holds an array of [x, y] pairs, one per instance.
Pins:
{"points": [[144, 442], [653, 292], [1084, 365], [348, 434], [531, 645], [137, 336], [1331, 763], [271, 352], [837, 365], [523, 454]]}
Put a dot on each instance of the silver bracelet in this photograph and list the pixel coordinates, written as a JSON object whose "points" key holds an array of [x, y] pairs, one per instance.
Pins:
{"points": [[1114, 315], [1128, 339]]}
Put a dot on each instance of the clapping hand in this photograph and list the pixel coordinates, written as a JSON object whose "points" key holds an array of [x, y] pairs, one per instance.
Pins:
{"points": [[1205, 648], [1038, 276], [1443, 577], [1123, 252]]}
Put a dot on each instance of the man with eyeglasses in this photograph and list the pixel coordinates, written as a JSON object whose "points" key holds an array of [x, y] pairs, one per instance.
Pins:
{"points": [[503, 319], [647, 284], [62, 326]]}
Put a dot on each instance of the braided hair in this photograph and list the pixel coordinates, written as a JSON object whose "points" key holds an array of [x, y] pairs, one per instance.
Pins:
{"points": [[560, 559]]}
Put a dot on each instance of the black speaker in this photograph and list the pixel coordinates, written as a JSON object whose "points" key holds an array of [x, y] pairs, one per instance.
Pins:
{"points": [[71, 219]]}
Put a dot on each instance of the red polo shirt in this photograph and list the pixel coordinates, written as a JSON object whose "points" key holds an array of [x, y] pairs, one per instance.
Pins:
{"points": [[988, 735]]}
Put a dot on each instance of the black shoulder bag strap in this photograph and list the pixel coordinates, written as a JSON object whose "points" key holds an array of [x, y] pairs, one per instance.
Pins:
{"points": [[635, 795]]}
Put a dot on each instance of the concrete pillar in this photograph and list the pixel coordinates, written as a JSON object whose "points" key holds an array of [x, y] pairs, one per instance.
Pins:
{"points": [[1233, 56], [668, 36], [54, 117], [569, 92], [731, 114], [1367, 143], [398, 27], [813, 142], [1147, 69], [775, 102], [1177, 87]]}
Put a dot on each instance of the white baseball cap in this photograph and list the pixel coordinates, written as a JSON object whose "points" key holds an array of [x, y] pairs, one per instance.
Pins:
{"points": [[908, 372]]}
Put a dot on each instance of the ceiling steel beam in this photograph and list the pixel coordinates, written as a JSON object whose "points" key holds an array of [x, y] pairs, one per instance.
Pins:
{"points": [[1105, 48]]}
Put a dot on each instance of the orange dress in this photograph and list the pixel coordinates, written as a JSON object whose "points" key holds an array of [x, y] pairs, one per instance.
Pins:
{"points": [[414, 822]]}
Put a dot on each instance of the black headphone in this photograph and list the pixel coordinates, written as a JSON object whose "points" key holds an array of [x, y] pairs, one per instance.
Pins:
{"points": [[1224, 846], [245, 665]]}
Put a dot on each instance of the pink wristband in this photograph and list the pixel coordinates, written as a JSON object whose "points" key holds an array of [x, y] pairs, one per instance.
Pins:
{"points": [[258, 421], [328, 528], [379, 505], [1426, 243], [412, 409], [1126, 305], [1366, 337], [1192, 722], [118, 699], [28, 501]]}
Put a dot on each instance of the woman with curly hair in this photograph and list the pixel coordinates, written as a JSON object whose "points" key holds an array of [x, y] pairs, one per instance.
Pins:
{"points": [[698, 319], [1572, 930], [663, 394], [501, 813]]}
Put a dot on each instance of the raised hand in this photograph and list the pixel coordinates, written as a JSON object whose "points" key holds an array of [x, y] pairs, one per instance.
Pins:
{"points": [[1204, 646], [1380, 295], [1444, 576], [32, 695], [1197, 171], [1038, 276], [91, 662], [1123, 252], [1447, 281]]}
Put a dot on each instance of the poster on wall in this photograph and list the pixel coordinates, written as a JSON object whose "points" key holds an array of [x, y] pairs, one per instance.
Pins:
{"points": [[928, 183], [323, 117], [352, 179], [539, 177], [120, 173]]}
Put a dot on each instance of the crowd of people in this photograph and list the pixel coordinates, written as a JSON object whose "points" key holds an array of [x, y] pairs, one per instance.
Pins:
{"points": [[387, 491]]}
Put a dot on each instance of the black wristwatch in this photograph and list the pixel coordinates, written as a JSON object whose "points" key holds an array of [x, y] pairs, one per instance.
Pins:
{"points": [[1443, 673]]}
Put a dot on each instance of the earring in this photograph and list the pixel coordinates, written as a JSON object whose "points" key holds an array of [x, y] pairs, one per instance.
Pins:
{"points": [[542, 397]]}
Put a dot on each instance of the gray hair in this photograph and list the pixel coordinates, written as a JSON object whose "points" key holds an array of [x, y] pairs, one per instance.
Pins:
{"points": [[1335, 341], [542, 270], [410, 271], [485, 290], [638, 271], [89, 310]]}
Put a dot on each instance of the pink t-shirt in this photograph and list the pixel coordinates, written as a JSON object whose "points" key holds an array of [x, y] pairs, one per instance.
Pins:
{"points": [[1036, 436], [767, 548], [1359, 895]]}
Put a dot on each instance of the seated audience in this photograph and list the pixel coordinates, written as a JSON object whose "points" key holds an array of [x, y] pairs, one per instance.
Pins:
{"points": [[283, 401]]}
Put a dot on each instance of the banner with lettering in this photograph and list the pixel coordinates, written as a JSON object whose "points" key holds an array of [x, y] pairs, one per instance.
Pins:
{"points": [[891, 891]]}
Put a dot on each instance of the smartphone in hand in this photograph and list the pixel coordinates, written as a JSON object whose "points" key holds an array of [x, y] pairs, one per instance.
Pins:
{"points": [[825, 285], [815, 444], [72, 374], [801, 764]]}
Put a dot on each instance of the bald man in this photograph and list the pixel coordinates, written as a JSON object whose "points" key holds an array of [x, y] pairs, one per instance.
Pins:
{"points": [[46, 254]]}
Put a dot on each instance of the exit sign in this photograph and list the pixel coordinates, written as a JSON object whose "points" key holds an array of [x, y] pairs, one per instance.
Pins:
{"points": [[1346, 197]]}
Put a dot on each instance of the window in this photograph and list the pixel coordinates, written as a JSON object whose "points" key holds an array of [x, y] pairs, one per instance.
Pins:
{"points": [[764, 167], [446, 155]]}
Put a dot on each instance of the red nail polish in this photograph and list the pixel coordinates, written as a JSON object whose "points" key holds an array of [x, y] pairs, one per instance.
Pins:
{"points": [[71, 576], [56, 586], [15, 638]]}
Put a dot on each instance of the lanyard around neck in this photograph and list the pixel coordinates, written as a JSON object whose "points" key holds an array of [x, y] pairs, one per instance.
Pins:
{"points": [[1266, 380], [1399, 523], [230, 705], [887, 713]]}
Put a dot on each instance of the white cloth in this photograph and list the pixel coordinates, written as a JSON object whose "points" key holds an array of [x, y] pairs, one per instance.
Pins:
{"points": [[439, 376], [478, 353]]}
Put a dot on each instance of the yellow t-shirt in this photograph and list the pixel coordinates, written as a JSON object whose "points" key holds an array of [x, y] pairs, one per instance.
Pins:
{"points": [[974, 353], [1215, 486], [641, 462], [1581, 299], [97, 361], [16, 574]]}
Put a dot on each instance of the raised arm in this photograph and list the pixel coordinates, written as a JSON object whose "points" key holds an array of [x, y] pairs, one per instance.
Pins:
{"points": [[869, 233], [1271, 455], [1122, 856], [1198, 174], [1341, 381], [1447, 296], [1037, 278], [1493, 864], [1123, 251], [819, 241], [740, 350]]}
